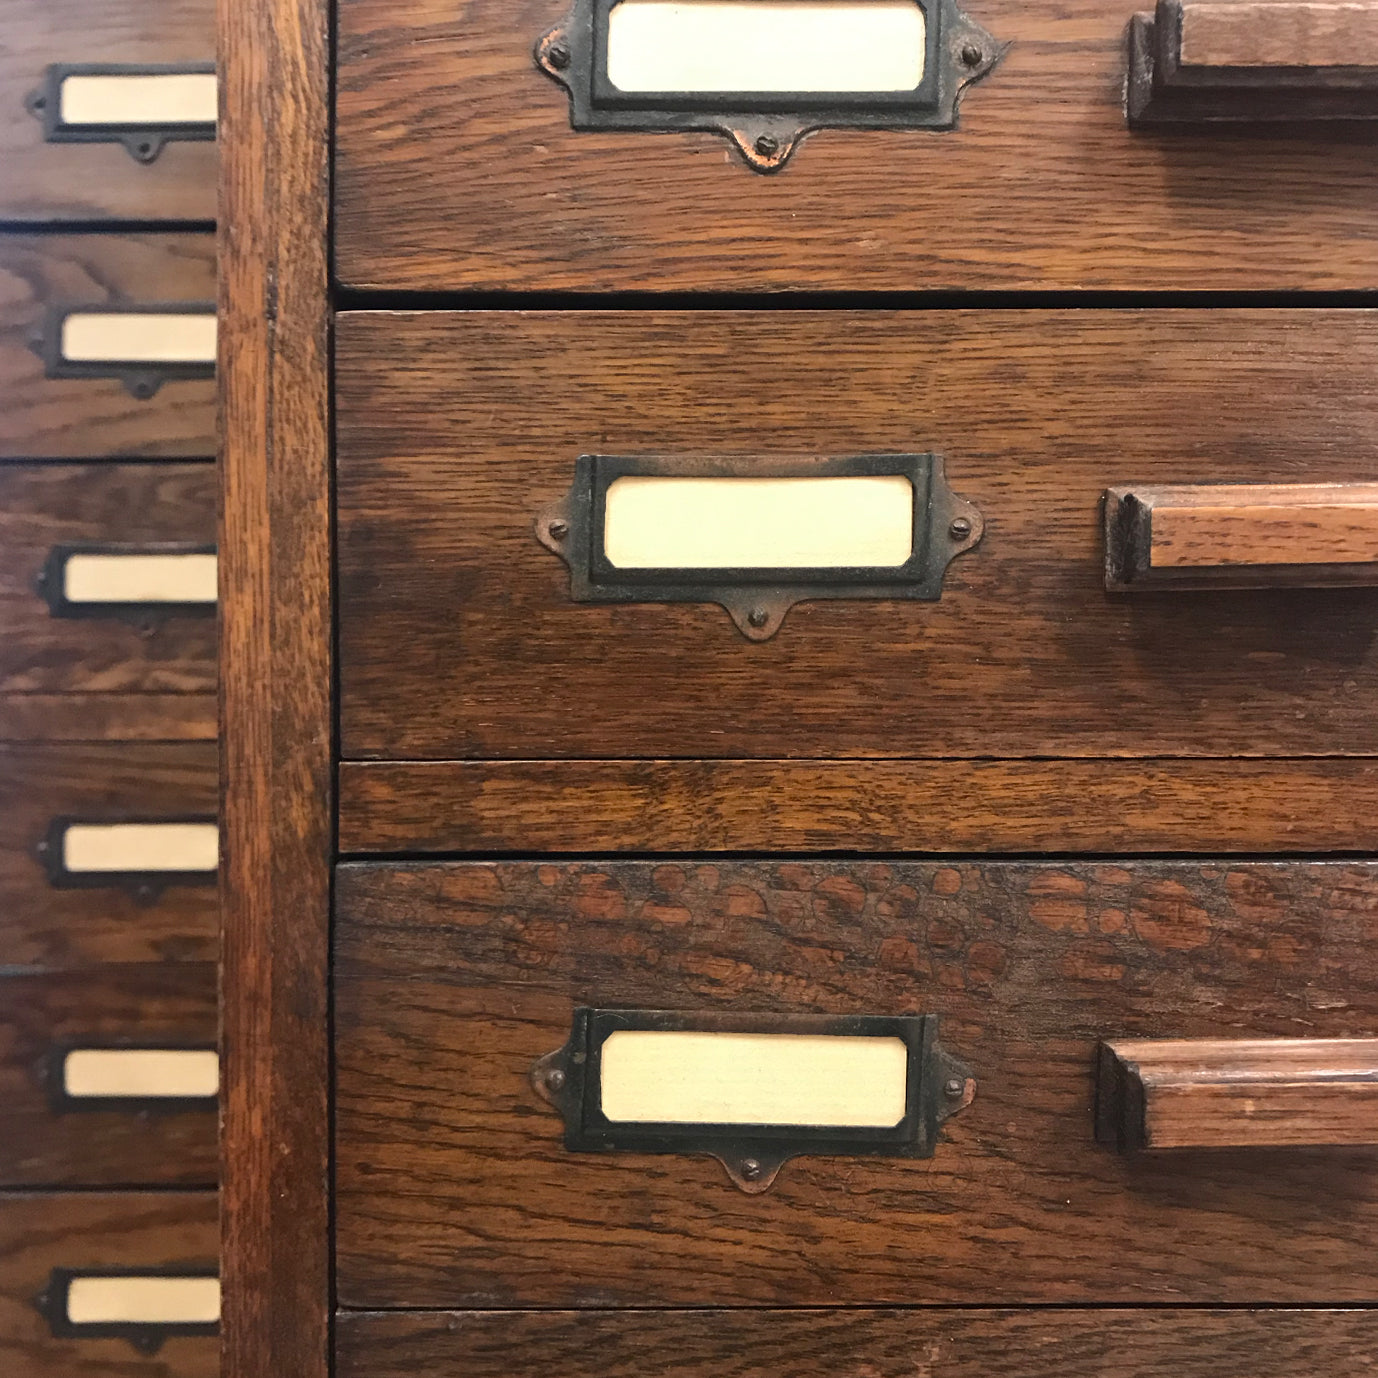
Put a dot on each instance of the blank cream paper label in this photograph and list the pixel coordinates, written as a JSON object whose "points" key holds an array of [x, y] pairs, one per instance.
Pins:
{"points": [[143, 1301], [104, 848], [139, 337], [765, 523], [766, 45], [666, 1077], [98, 578], [141, 1073], [153, 98]]}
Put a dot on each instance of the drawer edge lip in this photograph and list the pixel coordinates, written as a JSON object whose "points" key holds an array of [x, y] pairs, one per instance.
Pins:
{"points": [[1290, 805]]}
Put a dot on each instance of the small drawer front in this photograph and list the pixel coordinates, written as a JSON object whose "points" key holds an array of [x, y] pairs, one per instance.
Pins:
{"points": [[107, 854], [108, 1078], [108, 1285], [457, 983], [107, 346], [108, 111], [107, 579], [588, 145], [563, 537]]}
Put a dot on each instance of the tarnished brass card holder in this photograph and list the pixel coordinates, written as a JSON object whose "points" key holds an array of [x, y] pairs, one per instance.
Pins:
{"points": [[148, 124], [766, 126], [937, 527], [897, 1101]]}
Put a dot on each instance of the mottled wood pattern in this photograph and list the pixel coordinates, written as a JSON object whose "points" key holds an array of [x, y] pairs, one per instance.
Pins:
{"points": [[458, 637], [45, 506], [98, 1230], [108, 718], [928, 1343], [97, 418], [41, 926], [43, 1146], [814, 806], [77, 181], [457, 168], [454, 1189]]}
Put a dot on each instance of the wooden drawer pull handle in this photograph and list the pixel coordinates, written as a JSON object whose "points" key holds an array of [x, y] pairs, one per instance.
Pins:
{"points": [[1237, 1093], [1241, 536], [1195, 62]]}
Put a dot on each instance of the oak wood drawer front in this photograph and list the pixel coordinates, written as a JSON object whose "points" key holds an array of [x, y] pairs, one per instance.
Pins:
{"points": [[79, 145], [966, 1343], [115, 909], [106, 346], [74, 1116], [455, 1188], [100, 1233], [457, 167], [460, 638], [97, 564]]}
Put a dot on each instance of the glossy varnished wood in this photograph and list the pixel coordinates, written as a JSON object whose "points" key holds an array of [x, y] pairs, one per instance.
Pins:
{"points": [[99, 181], [966, 1343], [1176, 1093], [812, 806], [150, 505], [454, 1188], [43, 926], [458, 637], [97, 418], [1244, 535], [45, 1145], [457, 168], [98, 1230], [276, 632]]}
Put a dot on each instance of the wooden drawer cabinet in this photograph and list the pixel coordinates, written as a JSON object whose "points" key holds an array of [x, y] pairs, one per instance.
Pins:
{"points": [[107, 579], [457, 166], [90, 1062], [107, 112], [120, 1237], [799, 763], [469, 656], [457, 1190], [144, 889], [107, 346]]}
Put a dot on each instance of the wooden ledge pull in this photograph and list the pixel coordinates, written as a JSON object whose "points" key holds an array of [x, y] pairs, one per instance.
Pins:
{"points": [[1253, 61], [1224, 535], [1237, 1093]]}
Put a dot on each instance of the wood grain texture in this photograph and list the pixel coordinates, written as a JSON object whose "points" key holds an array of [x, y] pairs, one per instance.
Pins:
{"points": [[458, 637], [1246, 535], [454, 1188], [42, 926], [108, 718], [1310, 34], [966, 1343], [812, 806], [97, 418], [457, 168], [276, 689], [76, 181], [1237, 1093], [46, 506], [44, 1146]]}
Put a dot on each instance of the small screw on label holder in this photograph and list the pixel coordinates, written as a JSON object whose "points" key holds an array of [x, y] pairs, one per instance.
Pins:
{"points": [[767, 145], [960, 529], [559, 56]]}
